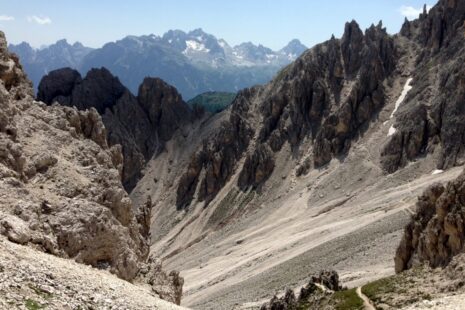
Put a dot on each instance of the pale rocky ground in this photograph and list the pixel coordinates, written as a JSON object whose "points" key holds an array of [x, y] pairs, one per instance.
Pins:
{"points": [[348, 216], [456, 302], [29, 277]]}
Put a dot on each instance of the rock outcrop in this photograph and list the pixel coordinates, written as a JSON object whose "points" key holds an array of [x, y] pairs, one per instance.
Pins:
{"points": [[436, 232], [141, 125], [325, 281]]}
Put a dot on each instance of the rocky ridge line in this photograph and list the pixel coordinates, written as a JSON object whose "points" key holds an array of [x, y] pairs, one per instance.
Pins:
{"points": [[141, 125]]}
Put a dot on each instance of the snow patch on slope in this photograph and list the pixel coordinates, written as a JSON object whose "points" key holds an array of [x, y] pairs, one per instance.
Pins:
{"points": [[392, 131], [407, 88]]}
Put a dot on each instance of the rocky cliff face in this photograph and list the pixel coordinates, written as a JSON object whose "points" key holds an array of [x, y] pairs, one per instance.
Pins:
{"points": [[437, 232], [434, 115], [330, 93], [218, 157], [329, 96], [326, 97], [60, 187], [140, 124]]}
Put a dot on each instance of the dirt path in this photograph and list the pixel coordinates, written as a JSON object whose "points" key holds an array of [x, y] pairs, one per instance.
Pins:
{"points": [[366, 302]]}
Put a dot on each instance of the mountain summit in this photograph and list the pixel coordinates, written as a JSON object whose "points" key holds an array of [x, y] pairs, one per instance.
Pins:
{"points": [[293, 49]]}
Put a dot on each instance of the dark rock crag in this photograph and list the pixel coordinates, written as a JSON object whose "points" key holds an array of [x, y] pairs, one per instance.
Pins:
{"points": [[332, 92], [218, 156], [432, 116], [308, 102], [303, 102], [141, 125]]}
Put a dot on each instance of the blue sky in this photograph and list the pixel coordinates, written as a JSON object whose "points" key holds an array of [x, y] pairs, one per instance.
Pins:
{"points": [[272, 23]]}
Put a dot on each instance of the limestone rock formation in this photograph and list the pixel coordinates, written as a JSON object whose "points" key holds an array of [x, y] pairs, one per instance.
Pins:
{"points": [[257, 168], [141, 125], [60, 188], [437, 232]]}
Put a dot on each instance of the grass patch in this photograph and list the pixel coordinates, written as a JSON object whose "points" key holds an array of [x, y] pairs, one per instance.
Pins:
{"points": [[348, 300], [376, 289], [40, 292], [303, 305], [213, 102], [33, 305]]}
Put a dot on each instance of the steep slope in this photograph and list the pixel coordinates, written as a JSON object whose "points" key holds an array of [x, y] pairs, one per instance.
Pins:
{"points": [[44, 179], [434, 116], [141, 125], [325, 159], [60, 187]]}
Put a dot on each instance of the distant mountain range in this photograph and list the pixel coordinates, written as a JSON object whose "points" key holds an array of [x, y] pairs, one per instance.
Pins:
{"points": [[194, 62]]}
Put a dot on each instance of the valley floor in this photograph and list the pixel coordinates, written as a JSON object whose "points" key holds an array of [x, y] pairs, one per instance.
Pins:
{"points": [[282, 244]]}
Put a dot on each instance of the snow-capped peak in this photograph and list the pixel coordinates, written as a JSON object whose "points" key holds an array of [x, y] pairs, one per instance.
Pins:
{"points": [[192, 45]]}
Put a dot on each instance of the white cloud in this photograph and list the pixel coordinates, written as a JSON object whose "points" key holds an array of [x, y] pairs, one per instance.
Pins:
{"points": [[410, 12], [39, 20], [6, 18]]}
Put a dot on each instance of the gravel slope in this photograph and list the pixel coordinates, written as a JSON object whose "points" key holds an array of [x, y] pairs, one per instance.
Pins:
{"points": [[29, 278]]}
